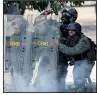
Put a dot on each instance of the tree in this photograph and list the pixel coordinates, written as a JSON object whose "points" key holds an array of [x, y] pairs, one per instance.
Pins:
{"points": [[40, 5]]}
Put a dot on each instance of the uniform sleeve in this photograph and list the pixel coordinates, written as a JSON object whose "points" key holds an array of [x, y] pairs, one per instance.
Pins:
{"points": [[81, 47]]}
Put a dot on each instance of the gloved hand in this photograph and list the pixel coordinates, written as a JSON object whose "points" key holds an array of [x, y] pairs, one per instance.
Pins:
{"points": [[70, 61], [6, 70], [7, 66], [46, 12]]}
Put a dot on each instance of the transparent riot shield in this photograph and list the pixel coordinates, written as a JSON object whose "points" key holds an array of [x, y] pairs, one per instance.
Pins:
{"points": [[31, 52], [45, 37], [18, 51]]}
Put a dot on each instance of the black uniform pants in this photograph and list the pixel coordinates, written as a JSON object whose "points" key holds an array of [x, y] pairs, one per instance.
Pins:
{"points": [[61, 73]]}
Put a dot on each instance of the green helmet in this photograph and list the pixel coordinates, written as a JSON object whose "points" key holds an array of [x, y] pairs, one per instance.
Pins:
{"points": [[69, 15], [75, 27], [74, 14]]}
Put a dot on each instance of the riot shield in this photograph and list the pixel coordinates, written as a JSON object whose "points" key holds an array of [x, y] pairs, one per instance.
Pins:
{"points": [[18, 51], [45, 37]]}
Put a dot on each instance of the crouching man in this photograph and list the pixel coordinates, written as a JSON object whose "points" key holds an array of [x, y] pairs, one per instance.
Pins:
{"points": [[76, 49]]}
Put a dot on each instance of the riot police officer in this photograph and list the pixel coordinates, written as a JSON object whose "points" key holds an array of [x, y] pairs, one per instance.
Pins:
{"points": [[46, 31], [77, 48], [17, 53], [68, 16]]}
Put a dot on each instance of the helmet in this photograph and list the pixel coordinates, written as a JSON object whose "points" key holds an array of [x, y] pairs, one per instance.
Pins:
{"points": [[69, 15], [73, 13], [65, 10], [20, 23], [75, 27], [40, 19]]}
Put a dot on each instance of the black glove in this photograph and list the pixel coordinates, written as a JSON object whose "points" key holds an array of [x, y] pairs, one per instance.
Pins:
{"points": [[6, 70], [70, 61]]}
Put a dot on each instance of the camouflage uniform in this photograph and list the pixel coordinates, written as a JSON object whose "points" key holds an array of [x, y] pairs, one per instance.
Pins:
{"points": [[67, 17], [76, 48]]}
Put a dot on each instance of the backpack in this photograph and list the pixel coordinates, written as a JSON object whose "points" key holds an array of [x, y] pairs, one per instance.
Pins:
{"points": [[91, 53]]}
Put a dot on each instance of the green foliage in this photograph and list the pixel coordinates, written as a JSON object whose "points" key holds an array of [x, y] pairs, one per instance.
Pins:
{"points": [[77, 3], [42, 5]]}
